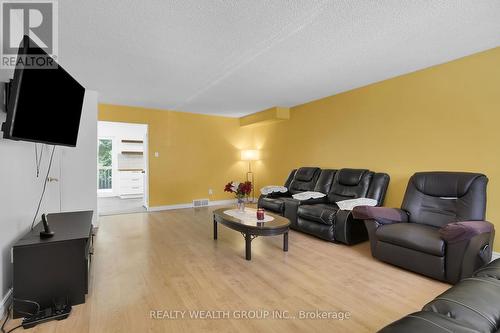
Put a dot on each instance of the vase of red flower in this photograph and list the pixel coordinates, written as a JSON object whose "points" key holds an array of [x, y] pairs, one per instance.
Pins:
{"points": [[241, 191], [241, 205]]}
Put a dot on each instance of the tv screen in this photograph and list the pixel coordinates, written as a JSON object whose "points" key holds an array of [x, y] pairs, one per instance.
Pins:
{"points": [[44, 104]]}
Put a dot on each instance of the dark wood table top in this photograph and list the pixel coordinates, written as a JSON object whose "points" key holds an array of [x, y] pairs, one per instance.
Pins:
{"points": [[278, 223]]}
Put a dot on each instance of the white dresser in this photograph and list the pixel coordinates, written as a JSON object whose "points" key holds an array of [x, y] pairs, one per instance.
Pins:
{"points": [[130, 169], [131, 184]]}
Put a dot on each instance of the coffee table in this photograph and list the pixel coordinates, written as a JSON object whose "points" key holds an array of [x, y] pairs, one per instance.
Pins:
{"points": [[252, 229]]}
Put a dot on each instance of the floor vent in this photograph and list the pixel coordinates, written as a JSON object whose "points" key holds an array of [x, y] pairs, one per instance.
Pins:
{"points": [[200, 203]]}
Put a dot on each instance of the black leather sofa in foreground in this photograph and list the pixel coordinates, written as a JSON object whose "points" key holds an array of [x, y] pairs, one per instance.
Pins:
{"points": [[440, 229], [472, 305], [322, 217]]}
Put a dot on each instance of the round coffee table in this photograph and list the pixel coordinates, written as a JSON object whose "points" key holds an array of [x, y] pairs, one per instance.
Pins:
{"points": [[252, 229]]}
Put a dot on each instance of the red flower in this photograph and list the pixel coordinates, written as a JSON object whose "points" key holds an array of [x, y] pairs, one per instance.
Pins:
{"points": [[240, 189], [227, 188], [245, 188]]}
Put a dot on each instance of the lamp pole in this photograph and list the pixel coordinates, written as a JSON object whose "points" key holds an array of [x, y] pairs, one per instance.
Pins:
{"points": [[250, 179], [250, 155]]}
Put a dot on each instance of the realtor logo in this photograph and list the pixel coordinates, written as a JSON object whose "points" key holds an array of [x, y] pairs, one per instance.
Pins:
{"points": [[36, 19]]}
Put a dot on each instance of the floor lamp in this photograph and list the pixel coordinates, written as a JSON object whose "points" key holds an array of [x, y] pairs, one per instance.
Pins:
{"points": [[250, 155]]}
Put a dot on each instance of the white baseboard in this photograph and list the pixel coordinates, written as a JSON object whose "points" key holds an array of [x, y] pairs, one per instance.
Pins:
{"points": [[190, 205], [495, 255], [5, 302]]}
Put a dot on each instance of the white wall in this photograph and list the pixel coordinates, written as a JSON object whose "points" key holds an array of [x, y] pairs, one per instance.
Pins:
{"points": [[122, 131], [20, 188], [19, 193], [78, 165]]}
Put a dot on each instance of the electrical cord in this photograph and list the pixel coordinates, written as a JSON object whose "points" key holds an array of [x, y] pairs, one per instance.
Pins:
{"points": [[30, 302], [38, 160], [44, 187], [5, 322], [14, 328], [6, 318], [9, 310]]}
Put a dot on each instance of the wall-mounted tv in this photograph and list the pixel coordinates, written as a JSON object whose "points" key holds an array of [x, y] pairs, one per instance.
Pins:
{"points": [[43, 104]]}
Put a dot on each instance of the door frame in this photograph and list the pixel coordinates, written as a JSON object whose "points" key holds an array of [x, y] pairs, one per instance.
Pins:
{"points": [[146, 166], [146, 195]]}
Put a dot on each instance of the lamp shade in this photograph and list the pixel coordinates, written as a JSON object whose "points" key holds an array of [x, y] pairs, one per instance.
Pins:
{"points": [[249, 155]]}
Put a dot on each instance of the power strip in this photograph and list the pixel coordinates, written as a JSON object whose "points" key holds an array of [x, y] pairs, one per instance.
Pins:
{"points": [[47, 315]]}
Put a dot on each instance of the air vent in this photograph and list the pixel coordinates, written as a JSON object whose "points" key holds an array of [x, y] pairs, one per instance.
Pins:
{"points": [[200, 203]]}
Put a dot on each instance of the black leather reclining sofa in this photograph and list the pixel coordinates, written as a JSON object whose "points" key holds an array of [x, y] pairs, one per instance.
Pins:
{"points": [[470, 306], [322, 217]]}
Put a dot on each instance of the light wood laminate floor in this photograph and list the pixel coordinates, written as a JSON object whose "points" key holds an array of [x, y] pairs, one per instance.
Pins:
{"points": [[115, 205], [169, 261]]}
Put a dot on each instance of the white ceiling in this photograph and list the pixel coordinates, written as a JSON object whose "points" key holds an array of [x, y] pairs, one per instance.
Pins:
{"points": [[235, 57]]}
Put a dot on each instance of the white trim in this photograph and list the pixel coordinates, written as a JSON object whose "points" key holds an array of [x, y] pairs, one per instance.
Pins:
{"points": [[105, 193], [190, 205], [5, 301], [495, 255]]}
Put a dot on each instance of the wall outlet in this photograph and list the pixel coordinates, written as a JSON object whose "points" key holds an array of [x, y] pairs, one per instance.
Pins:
{"points": [[157, 154], [210, 191]]}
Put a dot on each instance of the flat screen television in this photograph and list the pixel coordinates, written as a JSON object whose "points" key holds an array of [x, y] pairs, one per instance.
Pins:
{"points": [[43, 104]]}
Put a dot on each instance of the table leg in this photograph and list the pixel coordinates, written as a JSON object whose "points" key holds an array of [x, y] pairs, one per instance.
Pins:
{"points": [[248, 246], [285, 241], [215, 229]]}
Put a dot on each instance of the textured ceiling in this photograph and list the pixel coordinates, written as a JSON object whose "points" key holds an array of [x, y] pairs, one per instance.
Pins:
{"points": [[234, 57]]}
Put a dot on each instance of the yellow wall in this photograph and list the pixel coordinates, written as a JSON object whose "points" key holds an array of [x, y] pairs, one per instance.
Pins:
{"points": [[197, 152], [442, 118], [445, 117]]}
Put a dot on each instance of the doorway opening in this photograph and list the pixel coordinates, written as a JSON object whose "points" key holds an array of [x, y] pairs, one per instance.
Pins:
{"points": [[122, 164]]}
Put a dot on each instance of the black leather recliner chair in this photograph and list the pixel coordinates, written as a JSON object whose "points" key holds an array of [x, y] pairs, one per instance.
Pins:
{"points": [[440, 229], [300, 180], [325, 220], [470, 306]]}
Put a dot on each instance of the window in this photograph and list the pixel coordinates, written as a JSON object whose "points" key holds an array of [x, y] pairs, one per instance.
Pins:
{"points": [[105, 164]]}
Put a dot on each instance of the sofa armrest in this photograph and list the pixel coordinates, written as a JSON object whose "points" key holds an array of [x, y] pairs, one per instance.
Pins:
{"points": [[465, 230], [382, 215], [313, 201], [278, 195], [349, 230], [275, 195], [469, 246], [292, 205]]}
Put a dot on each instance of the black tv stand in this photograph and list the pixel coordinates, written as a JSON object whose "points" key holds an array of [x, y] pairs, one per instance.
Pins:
{"points": [[52, 268]]}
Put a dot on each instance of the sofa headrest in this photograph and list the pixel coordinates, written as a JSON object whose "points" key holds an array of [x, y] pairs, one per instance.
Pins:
{"points": [[325, 180], [351, 177], [306, 174], [445, 184]]}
